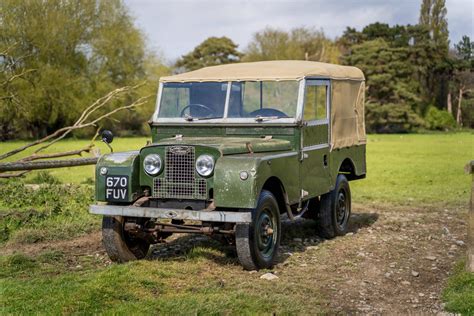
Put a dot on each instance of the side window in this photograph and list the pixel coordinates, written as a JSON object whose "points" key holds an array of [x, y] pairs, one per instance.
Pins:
{"points": [[315, 102]]}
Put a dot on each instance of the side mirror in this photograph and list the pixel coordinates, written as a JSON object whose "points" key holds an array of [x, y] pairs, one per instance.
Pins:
{"points": [[107, 136]]}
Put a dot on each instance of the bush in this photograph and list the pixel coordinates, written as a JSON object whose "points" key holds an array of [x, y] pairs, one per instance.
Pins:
{"points": [[44, 177], [439, 119], [46, 212], [391, 118]]}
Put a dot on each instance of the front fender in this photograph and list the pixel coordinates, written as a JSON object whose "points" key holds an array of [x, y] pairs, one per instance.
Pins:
{"points": [[119, 164], [233, 192], [229, 189]]}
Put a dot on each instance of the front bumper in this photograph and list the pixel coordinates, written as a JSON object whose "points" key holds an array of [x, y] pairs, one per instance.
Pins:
{"points": [[162, 213]]}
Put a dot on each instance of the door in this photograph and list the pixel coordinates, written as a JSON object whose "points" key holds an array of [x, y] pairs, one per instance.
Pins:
{"points": [[314, 169]]}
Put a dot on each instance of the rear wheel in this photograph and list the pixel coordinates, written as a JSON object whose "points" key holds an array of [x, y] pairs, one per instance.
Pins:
{"points": [[335, 210], [118, 244], [257, 242]]}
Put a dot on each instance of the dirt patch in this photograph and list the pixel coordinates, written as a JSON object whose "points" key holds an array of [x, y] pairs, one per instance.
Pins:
{"points": [[84, 245], [395, 259]]}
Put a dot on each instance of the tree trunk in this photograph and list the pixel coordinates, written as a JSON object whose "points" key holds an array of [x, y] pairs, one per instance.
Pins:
{"points": [[48, 164], [458, 115], [450, 103]]}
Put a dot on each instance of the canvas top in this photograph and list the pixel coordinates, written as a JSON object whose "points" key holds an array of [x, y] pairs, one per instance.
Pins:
{"points": [[276, 70]]}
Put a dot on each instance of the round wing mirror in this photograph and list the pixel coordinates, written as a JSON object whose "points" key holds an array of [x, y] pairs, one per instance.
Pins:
{"points": [[107, 136]]}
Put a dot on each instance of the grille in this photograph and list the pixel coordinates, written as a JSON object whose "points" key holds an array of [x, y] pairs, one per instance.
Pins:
{"points": [[179, 181]]}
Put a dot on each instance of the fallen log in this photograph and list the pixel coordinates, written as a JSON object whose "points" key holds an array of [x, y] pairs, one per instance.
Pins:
{"points": [[47, 164]]}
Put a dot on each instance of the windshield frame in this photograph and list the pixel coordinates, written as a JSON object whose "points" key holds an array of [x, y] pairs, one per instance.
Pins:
{"points": [[231, 120]]}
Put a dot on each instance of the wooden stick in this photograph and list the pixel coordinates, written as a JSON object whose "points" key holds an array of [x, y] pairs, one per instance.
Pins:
{"points": [[13, 175], [57, 155], [48, 164]]}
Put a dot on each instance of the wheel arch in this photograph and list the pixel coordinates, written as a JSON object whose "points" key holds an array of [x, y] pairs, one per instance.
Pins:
{"points": [[276, 187], [347, 167]]}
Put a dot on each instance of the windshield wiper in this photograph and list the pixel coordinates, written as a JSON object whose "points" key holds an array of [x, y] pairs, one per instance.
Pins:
{"points": [[260, 118], [208, 118], [189, 118]]}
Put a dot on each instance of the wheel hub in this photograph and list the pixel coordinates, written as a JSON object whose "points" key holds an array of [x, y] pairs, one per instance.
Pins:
{"points": [[265, 234], [341, 208]]}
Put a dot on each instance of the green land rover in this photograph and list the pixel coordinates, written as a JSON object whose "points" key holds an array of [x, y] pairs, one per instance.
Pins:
{"points": [[234, 149]]}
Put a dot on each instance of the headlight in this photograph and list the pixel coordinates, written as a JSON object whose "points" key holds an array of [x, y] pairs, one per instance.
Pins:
{"points": [[152, 164], [205, 165]]}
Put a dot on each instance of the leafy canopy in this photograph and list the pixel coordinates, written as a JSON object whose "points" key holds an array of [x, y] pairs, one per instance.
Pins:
{"points": [[213, 51], [58, 56]]}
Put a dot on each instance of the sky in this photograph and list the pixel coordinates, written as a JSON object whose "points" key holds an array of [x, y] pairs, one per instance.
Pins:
{"points": [[174, 28]]}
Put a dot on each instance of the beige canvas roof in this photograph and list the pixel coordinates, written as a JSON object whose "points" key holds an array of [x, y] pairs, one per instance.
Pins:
{"points": [[268, 70]]}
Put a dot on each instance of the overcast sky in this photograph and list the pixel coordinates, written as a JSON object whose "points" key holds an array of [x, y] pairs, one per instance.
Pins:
{"points": [[176, 27]]}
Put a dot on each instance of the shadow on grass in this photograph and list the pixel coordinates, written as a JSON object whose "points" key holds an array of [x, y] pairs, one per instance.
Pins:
{"points": [[296, 236]]}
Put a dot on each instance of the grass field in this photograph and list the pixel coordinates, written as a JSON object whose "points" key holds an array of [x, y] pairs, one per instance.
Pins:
{"points": [[403, 171]]}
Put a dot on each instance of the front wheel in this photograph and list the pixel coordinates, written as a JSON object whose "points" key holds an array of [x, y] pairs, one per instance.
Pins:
{"points": [[335, 210], [257, 242], [118, 244]]}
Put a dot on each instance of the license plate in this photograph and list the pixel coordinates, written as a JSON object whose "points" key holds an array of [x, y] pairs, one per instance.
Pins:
{"points": [[116, 188]]}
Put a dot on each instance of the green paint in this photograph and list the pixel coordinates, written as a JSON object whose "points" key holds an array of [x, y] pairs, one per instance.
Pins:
{"points": [[262, 152]]}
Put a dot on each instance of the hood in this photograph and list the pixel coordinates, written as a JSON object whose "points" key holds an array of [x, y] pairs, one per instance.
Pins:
{"points": [[231, 145]]}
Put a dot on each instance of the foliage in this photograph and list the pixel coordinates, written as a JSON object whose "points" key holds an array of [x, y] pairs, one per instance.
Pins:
{"points": [[391, 118], [404, 64], [465, 50], [298, 44], [388, 75], [57, 57], [439, 119], [433, 16], [213, 51], [462, 85], [459, 293], [45, 177], [49, 211]]}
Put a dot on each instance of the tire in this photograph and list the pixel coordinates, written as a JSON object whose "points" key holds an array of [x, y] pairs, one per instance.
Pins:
{"points": [[335, 210], [257, 248], [118, 245]]}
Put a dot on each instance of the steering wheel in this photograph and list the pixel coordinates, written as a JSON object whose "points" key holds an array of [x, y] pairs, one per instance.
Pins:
{"points": [[196, 105], [268, 112]]}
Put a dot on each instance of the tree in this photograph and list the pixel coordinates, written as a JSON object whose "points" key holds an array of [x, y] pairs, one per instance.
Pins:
{"points": [[68, 53], [436, 79], [392, 93], [213, 51], [433, 16], [465, 50], [299, 43], [463, 81]]}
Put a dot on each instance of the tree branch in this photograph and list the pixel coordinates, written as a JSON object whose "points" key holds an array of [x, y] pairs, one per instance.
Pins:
{"points": [[80, 123]]}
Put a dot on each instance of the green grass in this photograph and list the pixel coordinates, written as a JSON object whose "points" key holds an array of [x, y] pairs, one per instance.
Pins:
{"points": [[50, 212], [413, 169], [459, 292], [198, 286], [402, 169]]}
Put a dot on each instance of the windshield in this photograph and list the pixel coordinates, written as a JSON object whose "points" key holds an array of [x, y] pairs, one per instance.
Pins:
{"points": [[253, 100], [193, 100]]}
